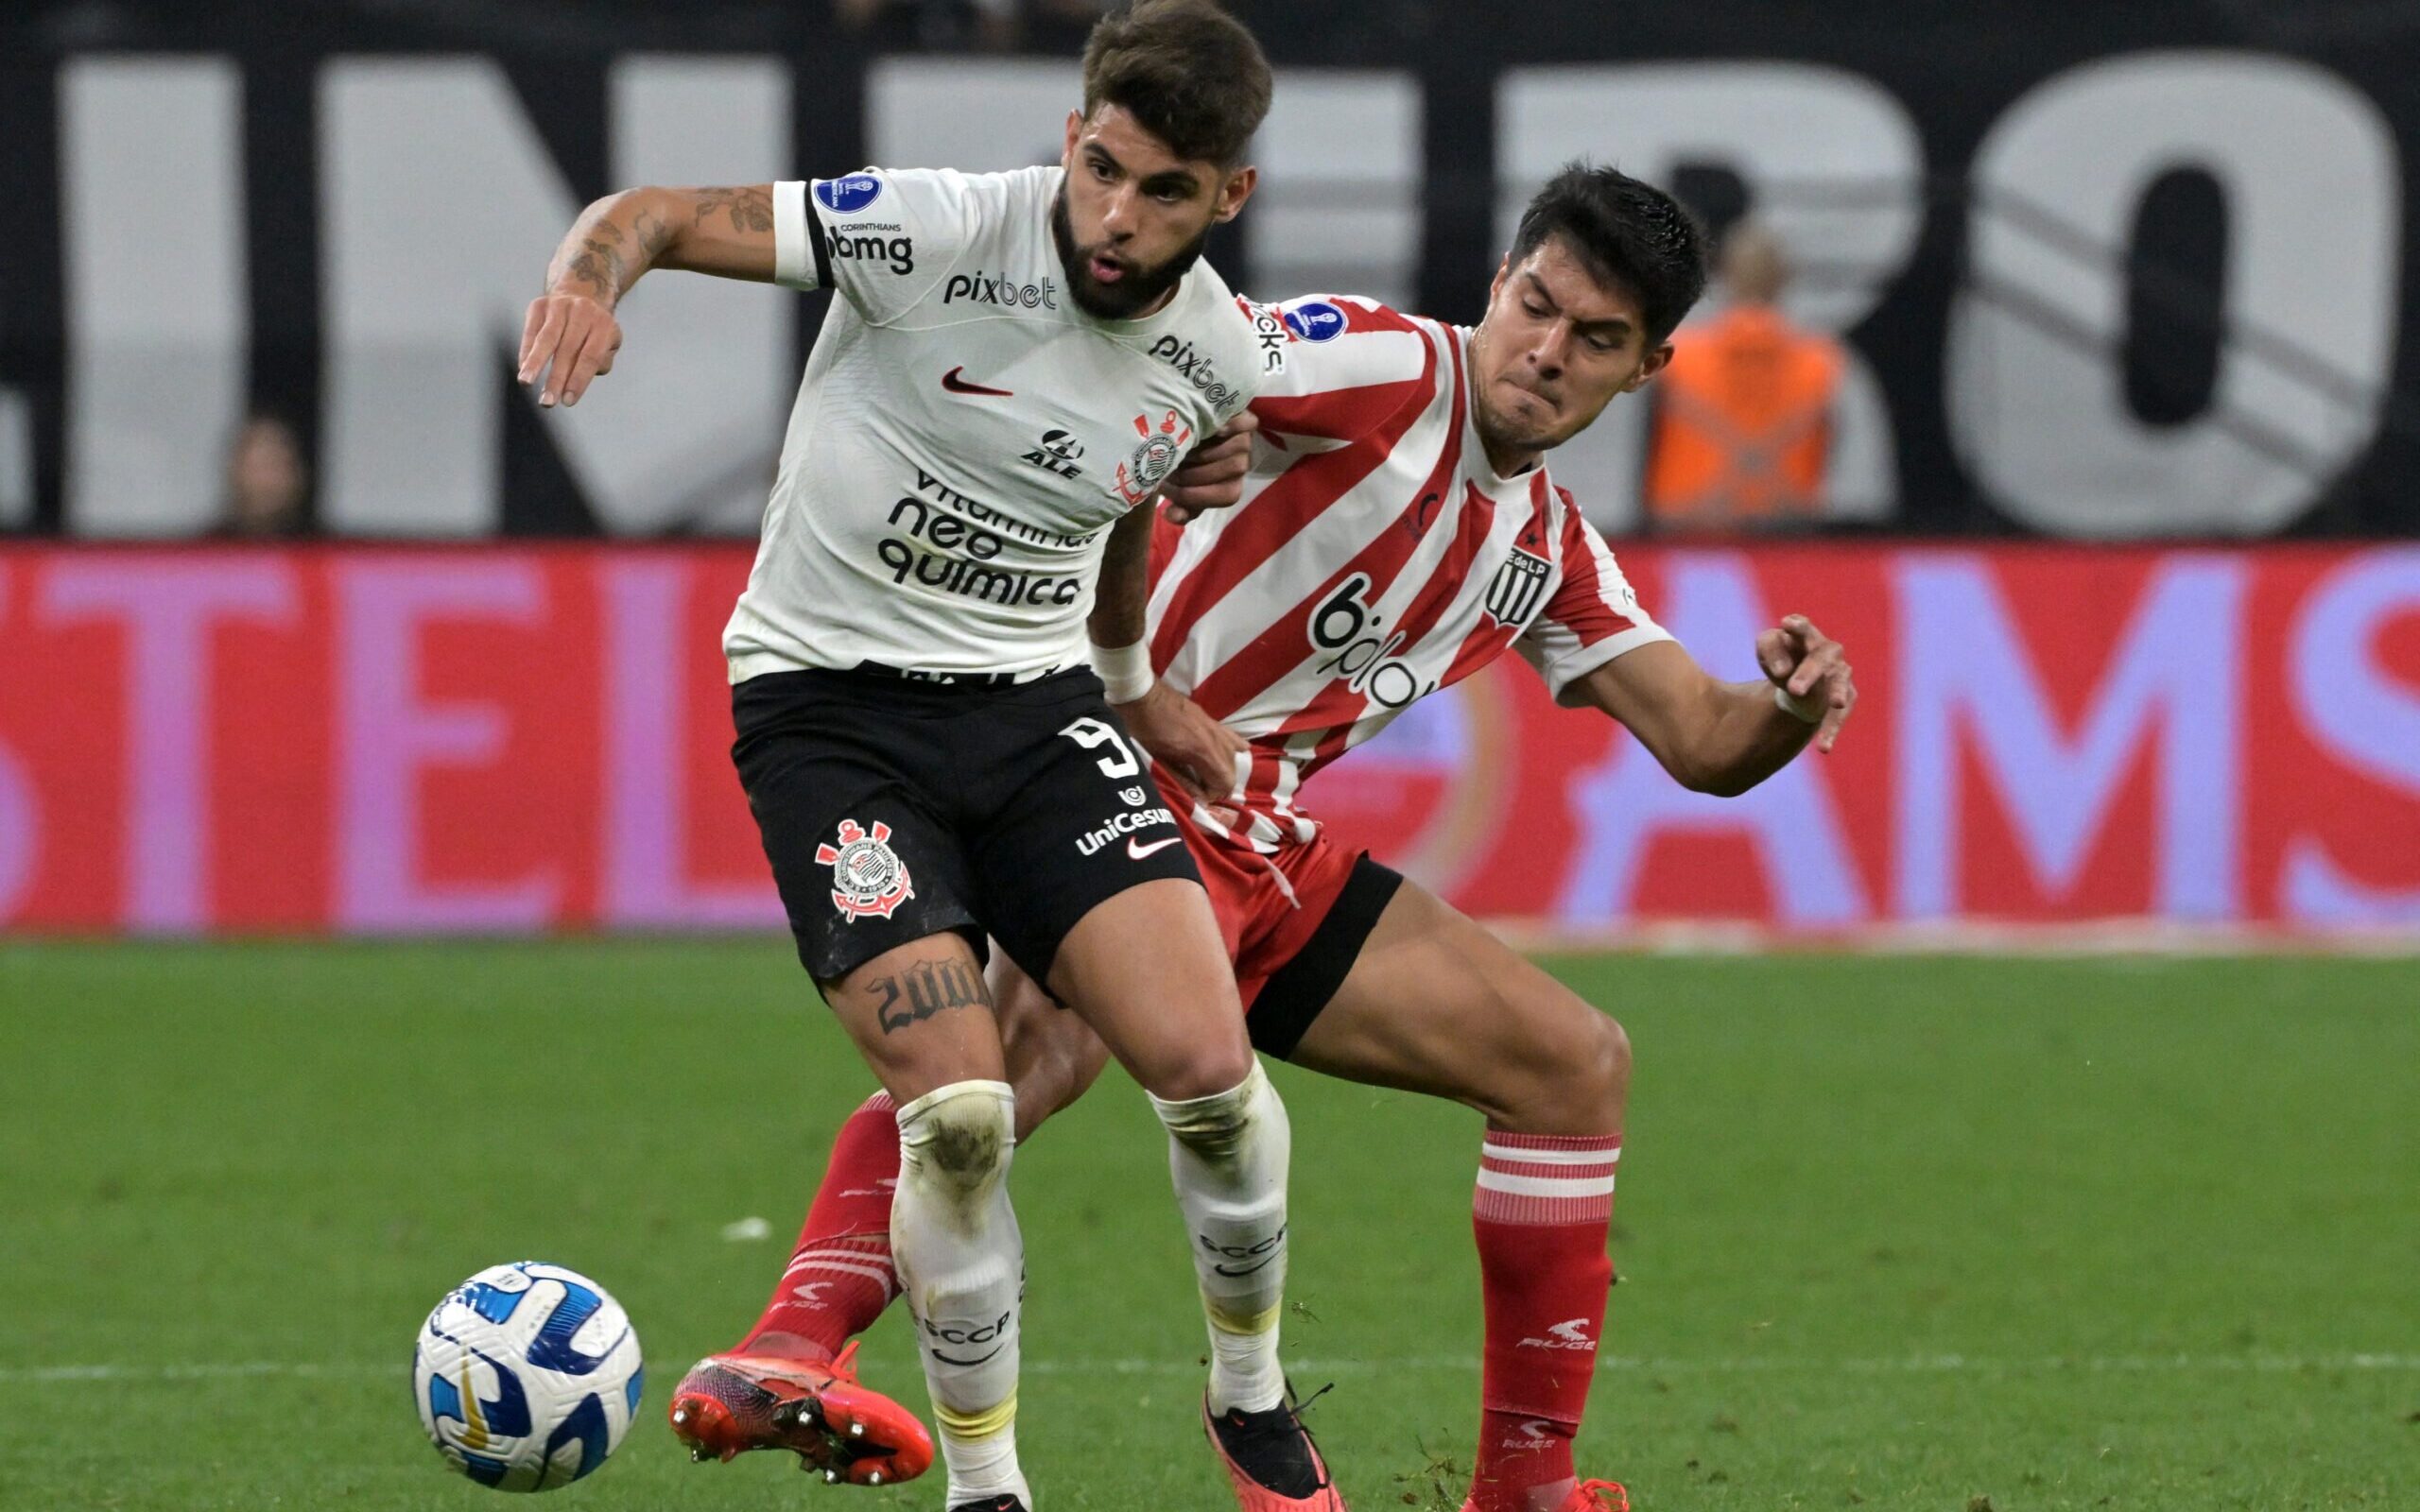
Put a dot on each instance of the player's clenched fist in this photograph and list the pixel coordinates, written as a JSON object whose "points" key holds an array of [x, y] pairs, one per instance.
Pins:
{"points": [[1211, 476], [1812, 672], [569, 339]]}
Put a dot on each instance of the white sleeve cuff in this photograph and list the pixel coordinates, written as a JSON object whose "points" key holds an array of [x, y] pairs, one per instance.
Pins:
{"points": [[794, 242]]}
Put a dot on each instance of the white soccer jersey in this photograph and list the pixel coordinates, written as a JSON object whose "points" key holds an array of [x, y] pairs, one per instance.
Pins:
{"points": [[1376, 557], [964, 436]]}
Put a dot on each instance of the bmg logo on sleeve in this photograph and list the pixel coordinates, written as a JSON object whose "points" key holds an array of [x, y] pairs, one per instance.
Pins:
{"points": [[849, 194]]}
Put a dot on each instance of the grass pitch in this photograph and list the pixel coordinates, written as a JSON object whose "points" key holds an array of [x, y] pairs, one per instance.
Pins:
{"points": [[1921, 1233]]}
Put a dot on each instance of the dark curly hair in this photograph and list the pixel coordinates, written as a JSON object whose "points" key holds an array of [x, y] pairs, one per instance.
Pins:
{"points": [[1625, 230], [1189, 73]]}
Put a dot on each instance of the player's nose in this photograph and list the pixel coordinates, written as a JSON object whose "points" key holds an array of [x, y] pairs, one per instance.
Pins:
{"points": [[1118, 219]]}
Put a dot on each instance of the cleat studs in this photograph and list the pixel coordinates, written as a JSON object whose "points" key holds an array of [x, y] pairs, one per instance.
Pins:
{"points": [[856, 1430], [698, 1455], [680, 1416], [831, 1477], [874, 1478]]}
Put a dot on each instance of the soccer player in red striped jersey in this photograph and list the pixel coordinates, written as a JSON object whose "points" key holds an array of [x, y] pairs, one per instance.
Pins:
{"points": [[1397, 531]]}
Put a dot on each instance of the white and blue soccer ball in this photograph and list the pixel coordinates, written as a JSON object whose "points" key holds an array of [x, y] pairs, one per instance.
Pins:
{"points": [[527, 1376]]}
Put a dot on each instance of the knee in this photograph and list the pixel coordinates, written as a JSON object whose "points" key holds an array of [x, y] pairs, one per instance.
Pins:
{"points": [[1602, 1074], [954, 1142], [1573, 1078], [1209, 1071], [1219, 1126]]}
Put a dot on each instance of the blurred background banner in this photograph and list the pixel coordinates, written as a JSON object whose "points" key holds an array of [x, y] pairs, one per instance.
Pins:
{"points": [[517, 739], [2092, 272]]}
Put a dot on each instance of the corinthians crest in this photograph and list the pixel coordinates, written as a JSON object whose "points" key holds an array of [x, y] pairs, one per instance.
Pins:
{"points": [[1155, 459], [868, 877]]}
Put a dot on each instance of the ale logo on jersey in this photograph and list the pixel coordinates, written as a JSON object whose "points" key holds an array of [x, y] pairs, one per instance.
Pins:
{"points": [[868, 877], [849, 194], [1317, 320]]}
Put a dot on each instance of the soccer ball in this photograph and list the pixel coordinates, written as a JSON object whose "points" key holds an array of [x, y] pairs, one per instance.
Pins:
{"points": [[527, 1376]]}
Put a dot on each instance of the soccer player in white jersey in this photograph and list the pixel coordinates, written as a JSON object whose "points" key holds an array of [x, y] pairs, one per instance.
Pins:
{"points": [[1398, 532], [1014, 363]]}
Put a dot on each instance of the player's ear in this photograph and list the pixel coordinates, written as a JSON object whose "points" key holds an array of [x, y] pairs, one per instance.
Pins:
{"points": [[1075, 131], [1655, 363], [1503, 271], [1234, 191]]}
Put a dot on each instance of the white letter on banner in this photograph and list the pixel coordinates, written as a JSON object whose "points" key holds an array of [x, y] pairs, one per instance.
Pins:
{"points": [[646, 841], [386, 734], [20, 815], [1710, 603], [158, 315], [443, 207], [169, 607], [2362, 717], [1831, 161], [2179, 665], [2037, 404]]}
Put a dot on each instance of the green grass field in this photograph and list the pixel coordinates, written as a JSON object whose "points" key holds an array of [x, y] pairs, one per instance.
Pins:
{"points": [[1921, 1233]]}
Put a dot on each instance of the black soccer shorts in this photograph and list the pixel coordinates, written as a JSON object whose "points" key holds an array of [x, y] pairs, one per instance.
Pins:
{"points": [[892, 809]]}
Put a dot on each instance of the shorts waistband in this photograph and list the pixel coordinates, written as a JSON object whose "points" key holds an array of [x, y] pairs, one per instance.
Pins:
{"points": [[956, 679]]}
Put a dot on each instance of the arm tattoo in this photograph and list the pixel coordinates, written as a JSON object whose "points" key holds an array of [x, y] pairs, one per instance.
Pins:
{"points": [[925, 989], [654, 234], [599, 262], [751, 208]]}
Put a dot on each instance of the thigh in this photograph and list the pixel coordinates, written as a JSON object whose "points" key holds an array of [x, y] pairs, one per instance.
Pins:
{"points": [[1435, 1003], [920, 1015], [848, 804], [1148, 973]]}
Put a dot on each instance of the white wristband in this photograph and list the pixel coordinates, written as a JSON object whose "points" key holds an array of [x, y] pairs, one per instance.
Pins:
{"points": [[1809, 710], [1125, 670]]}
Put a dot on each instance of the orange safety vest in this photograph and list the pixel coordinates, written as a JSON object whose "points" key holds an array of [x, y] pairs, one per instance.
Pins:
{"points": [[1742, 420]]}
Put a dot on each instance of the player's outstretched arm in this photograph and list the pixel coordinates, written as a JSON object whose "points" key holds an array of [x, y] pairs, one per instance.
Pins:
{"points": [[570, 334], [1726, 737]]}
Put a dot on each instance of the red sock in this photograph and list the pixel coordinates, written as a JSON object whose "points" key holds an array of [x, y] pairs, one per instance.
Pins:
{"points": [[1541, 1211], [840, 1277]]}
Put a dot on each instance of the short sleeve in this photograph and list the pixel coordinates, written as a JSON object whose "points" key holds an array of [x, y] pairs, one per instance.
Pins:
{"points": [[1334, 367], [1593, 615], [881, 238]]}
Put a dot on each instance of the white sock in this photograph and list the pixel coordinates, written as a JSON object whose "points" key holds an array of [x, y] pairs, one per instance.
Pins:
{"points": [[960, 1260], [1227, 1153]]}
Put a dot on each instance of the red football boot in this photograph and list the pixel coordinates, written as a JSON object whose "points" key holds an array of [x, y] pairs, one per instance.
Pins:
{"points": [[1588, 1496], [731, 1403], [1271, 1460]]}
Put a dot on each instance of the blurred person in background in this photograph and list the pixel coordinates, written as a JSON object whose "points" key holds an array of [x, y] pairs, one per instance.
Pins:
{"points": [[268, 485], [1741, 434]]}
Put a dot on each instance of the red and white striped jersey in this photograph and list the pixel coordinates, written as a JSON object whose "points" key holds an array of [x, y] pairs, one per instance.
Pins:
{"points": [[1375, 558]]}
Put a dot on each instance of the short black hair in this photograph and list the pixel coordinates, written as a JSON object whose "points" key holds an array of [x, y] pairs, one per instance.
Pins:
{"points": [[1626, 230], [1190, 73]]}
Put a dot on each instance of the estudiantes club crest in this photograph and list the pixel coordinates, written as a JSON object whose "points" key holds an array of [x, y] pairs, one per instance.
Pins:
{"points": [[868, 877]]}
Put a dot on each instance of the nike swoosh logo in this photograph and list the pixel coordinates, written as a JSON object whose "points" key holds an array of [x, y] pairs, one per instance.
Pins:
{"points": [[1246, 1270], [956, 384], [1138, 851]]}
